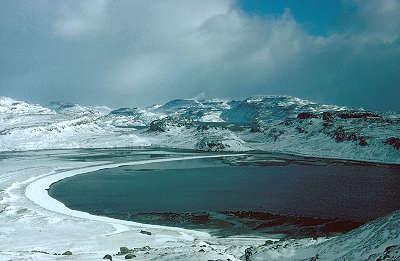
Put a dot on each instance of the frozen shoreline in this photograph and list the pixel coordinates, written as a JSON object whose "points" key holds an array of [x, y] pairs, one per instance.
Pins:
{"points": [[50, 227], [37, 192]]}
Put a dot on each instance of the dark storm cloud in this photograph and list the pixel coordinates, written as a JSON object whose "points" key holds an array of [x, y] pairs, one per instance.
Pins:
{"points": [[140, 52]]}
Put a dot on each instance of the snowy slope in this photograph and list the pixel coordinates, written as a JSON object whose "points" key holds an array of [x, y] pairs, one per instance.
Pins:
{"points": [[267, 123], [31, 127], [377, 240]]}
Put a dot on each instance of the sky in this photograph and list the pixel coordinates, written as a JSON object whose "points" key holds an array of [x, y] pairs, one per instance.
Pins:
{"points": [[138, 52]]}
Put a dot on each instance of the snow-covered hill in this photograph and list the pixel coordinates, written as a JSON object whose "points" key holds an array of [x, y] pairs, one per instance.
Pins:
{"points": [[267, 123], [376, 240]]}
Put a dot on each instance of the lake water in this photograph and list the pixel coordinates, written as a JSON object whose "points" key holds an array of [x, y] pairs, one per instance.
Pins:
{"points": [[289, 198]]}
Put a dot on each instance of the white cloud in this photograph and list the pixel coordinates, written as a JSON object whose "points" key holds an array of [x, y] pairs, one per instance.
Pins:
{"points": [[379, 20], [81, 17], [221, 43]]}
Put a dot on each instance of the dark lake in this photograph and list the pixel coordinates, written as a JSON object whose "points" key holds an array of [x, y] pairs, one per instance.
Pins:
{"points": [[289, 198]]}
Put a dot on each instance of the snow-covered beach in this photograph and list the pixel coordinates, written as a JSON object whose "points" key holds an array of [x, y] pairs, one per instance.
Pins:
{"points": [[36, 191], [36, 222]]}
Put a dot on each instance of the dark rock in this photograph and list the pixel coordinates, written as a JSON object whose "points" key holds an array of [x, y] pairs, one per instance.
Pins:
{"points": [[145, 248], [145, 232], [326, 124], [203, 127], [389, 248], [67, 253], [395, 142], [362, 142], [339, 134], [209, 144], [202, 250], [327, 116], [300, 130], [268, 242], [41, 252], [314, 258], [165, 124], [352, 136], [390, 253], [306, 115], [358, 115], [130, 256], [5, 132], [248, 253], [124, 250], [109, 257]]}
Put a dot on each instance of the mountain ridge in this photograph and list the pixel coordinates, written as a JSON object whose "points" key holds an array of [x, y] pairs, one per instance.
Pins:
{"points": [[267, 123]]}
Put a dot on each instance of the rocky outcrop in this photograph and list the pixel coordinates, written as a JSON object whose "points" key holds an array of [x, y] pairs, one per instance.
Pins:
{"points": [[395, 142], [300, 130], [207, 144], [357, 115], [169, 122], [306, 115], [390, 253], [124, 251], [145, 232], [248, 253], [327, 116], [341, 135], [109, 257], [41, 252], [275, 133], [130, 252], [130, 256]]}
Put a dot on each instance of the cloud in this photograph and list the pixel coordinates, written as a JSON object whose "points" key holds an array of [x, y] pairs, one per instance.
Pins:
{"points": [[141, 52], [81, 17], [211, 54], [380, 20]]}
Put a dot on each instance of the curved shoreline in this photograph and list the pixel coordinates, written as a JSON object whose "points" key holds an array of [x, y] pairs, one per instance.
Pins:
{"points": [[37, 192]]}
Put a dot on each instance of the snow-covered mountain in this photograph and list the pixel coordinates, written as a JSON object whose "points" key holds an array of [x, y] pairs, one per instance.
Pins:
{"points": [[267, 123]]}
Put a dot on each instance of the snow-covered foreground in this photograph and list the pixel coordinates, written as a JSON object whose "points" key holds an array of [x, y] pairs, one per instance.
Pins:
{"points": [[34, 226], [31, 221]]}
